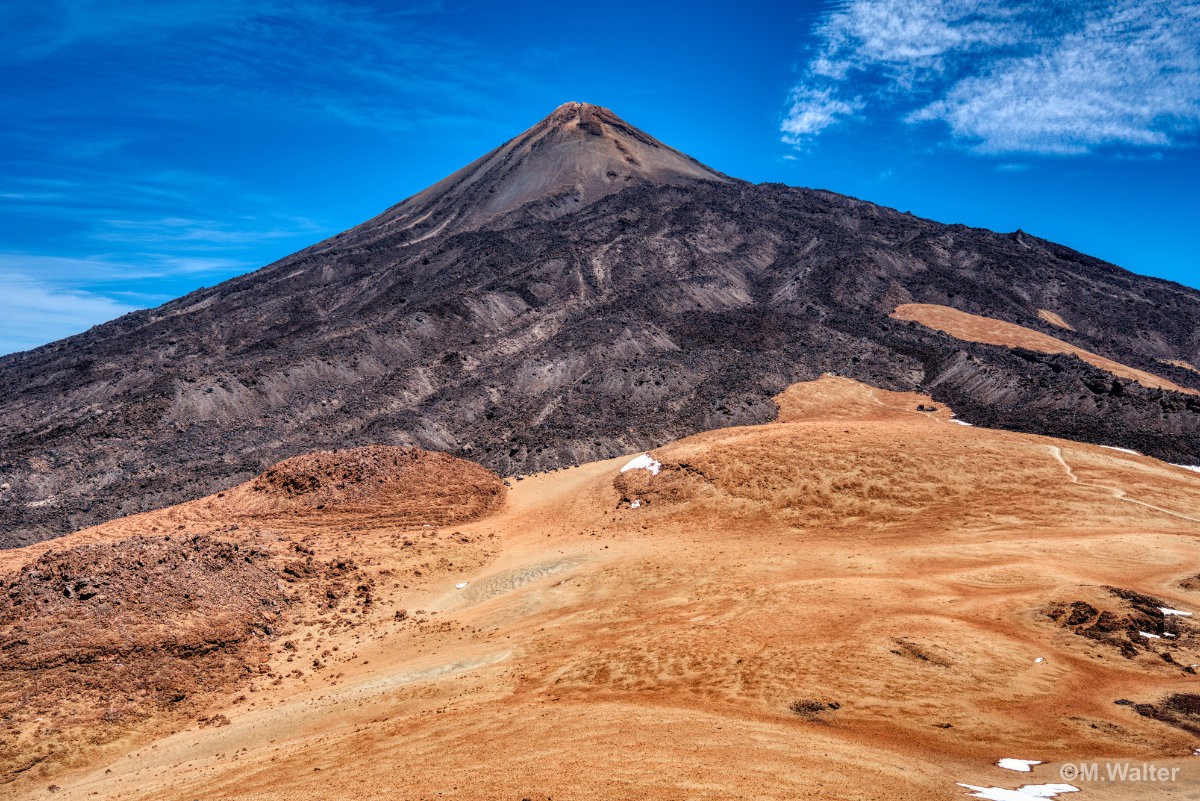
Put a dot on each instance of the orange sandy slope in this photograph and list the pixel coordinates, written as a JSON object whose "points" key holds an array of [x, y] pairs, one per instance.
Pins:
{"points": [[855, 553], [974, 328], [1054, 319]]}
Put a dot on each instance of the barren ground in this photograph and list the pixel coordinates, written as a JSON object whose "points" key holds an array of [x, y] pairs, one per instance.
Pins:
{"points": [[860, 600], [975, 328]]}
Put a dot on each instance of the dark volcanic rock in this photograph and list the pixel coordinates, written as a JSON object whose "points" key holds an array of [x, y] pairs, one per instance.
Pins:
{"points": [[581, 292], [1181, 710], [1122, 619]]}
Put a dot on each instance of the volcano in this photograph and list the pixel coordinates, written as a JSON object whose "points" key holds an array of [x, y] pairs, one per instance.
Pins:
{"points": [[580, 292], [576, 156]]}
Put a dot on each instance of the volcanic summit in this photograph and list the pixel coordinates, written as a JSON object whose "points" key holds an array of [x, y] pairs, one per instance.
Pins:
{"points": [[580, 292], [574, 157]]}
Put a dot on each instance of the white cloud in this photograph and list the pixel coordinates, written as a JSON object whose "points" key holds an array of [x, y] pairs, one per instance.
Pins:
{"points": [[812, 111], [44, 298], [202, 233], [34, 313], [906, 36], [1053, 78], [67, 273], [386, 68]]}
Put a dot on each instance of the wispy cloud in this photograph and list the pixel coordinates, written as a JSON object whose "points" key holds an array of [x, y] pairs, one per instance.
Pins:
{"points": [[98, 271], [206, 234], [174, 143], [367, 64], [35, 312], [1051, 77], [814, 110], [137, 223], [44, 298]]}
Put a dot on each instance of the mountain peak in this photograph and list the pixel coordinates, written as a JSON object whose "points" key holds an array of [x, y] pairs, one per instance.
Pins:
{"points": [[590, 119], [598, 121], [577, 155], [574, 110]]}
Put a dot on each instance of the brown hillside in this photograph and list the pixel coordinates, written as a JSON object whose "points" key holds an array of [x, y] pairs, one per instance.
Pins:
{"points": [[860, 600], [141, 623]]}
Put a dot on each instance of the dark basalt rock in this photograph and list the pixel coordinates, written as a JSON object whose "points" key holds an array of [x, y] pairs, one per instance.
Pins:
{"points": [[574, 295]]}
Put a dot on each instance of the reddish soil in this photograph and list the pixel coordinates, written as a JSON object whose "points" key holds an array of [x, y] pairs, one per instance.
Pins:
{"points": [[401, 486], [125, 629], [860, 600], [974, 328], [1054, 319]]}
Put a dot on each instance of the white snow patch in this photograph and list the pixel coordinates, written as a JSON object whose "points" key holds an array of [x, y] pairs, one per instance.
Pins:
{"points": [[1023, 765], [1122, 450], [1029, 792], [961, 422], [1039, 660], [635, 504], [644, 462], [1168, 611], [1149, 635], [1195, 468], [460, 585], [1168, 634]]}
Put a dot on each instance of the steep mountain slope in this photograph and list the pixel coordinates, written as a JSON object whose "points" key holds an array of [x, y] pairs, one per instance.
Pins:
{"points": [[580, 292], [577, 155]]}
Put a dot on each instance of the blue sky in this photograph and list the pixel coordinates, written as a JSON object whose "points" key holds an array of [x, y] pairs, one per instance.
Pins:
{"points": [[150, 148]]}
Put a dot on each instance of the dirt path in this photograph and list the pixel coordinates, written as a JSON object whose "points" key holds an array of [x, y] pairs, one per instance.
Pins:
{"points": [[1119, 494]]}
